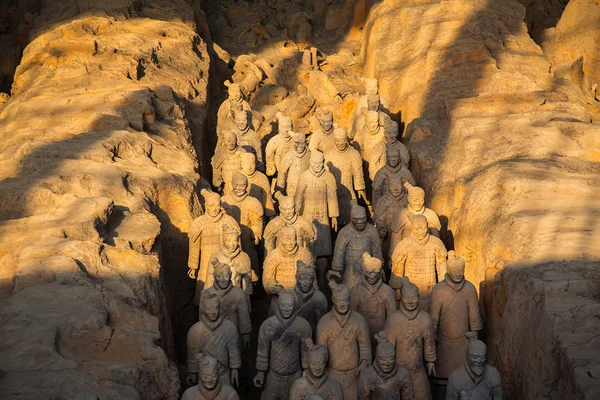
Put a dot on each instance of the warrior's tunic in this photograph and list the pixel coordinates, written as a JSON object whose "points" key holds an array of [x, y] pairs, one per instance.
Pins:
{"points": [[321, 140], [224, 163], [248, 140], [219, 392], [306, 233], [311, 306], [379, 157], [240, 265], [276, 148], [260, 188], [433, 221], [375, 384], [325, 387], [488, 386], [234, 307], [224, 112], [387, 174], [389, 213], [292, 166]]}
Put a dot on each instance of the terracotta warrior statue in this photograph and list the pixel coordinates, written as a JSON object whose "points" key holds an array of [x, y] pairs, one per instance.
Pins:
{"points": [[248, 212], [258, 184], [411, 331], [248, 138], [416, 205], [229, 123], [475, 379], [311, 303], [234, 302], [305, 230], [322, 138], [371, 88], [279, 145], [205, 236], [389, 216], [226, 161], [392, 170], [316, 199], [210, 386], [422, 257], [385, 379], [372, 298], [346, 335], [279, 268], [373, 104], [368, 137], [317, 381], [354, 239], [214, 336], [293, 164], [231, 253], [345, 164], [281, 350], [455, 311], [235, 96], [391, 132]]}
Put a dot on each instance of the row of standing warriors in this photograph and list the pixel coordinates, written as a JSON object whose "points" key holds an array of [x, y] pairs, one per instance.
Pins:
{"points": [[382, 337]]}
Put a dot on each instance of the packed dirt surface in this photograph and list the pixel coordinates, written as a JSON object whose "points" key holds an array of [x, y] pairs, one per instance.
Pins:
{"points": [[98, 182]]}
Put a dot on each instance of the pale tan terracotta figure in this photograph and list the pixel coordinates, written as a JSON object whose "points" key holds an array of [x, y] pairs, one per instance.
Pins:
{"points": [[371, 88], [389, 215], [455, 311], [345, 164], [210, 386], [392, 170], [306, 233], [281, 351], [293, 164], [205, 237], [372, 298], [411, 331], [422, 257], [248, 212], [279, 145], [353, 240], [226, 161], [235, 96], [231, 253], [416, 205], [311, 303], [214, 336], [373, 104], [346, 334], [478, 380], [378, 159], [317, 381], [385, 379], [258, 184], [322, 138], [368, 136], [234, 302], [248, 138], [279, 268]]}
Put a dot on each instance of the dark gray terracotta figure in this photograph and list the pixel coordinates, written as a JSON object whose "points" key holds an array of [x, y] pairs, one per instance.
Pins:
{"points": [[210, 386]]}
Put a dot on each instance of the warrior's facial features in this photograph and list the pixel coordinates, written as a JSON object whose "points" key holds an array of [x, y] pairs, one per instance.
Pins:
{"points": [[419, 229], [299, 146], [372, 277], [316, 165], [230, 142], [213, 208], [340, 143], [393, 158], [416, 202], [286, 306], [396, 189], [410, 300], [341, 304], [288, 242], [372, 120], [223, 280], [241, 120], [386, 362], [373, 102], [305, 282], [231, 242], [317, 366], [456, 273], [360, 223], [476, 360], [248, 163], [239, 188], [326, 124], [209, 377], [211, 309], [287, 212], [285, 128]]}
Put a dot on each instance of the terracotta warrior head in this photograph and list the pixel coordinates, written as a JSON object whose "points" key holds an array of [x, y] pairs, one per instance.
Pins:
{"points": [[396, 188], [371, 268], [476, 354], [340, 138], [286, 238], [241, 120], [287, 207], [286, 304], [230, 140], [416, 198], [358, 217], [410, 294], [385, 354], [373, 102], [222, 275], [392, 155], [285, 125], [340, 294], [371, 86], [208, 371], [419, 227], [236, 107], [210, 304], [248, 163], [455, 267], [318, 355], [325, 119], [305, 276], [234, 91], [372, 120], [299, 142], [317, 161], [212, 202], [391, 132], [231, 241], [239, 182]]}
